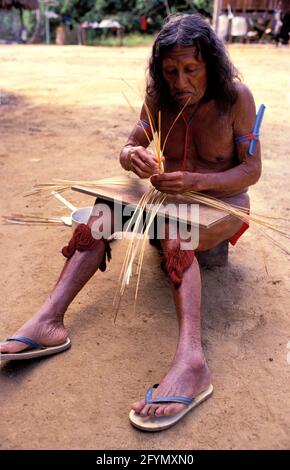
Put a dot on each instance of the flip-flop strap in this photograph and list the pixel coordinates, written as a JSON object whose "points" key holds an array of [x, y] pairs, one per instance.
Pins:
{"points": [[170, 399], [28, 341]]}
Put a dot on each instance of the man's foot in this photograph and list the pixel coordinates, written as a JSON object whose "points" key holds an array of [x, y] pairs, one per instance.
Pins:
{"points": [[46, 332], [181, 380]]}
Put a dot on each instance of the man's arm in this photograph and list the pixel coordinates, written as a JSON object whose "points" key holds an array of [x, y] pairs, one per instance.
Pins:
{"points": [[137, 138], [249, 170], [234, 180], [134, 156]]}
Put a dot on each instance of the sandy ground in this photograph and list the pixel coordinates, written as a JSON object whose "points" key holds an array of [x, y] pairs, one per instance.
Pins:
{"points": [[63, 115]]}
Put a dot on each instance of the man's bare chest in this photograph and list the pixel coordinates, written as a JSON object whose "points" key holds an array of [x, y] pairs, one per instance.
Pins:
{"points": [[206, 143]]}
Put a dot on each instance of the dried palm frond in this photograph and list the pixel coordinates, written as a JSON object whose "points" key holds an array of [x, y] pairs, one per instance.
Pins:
{"points": [[152, 200], [29, 219], [155, 198], [61, 185], [240, 213]]}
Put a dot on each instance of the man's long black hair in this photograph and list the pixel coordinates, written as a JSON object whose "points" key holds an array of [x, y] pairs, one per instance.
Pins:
{"points": [[193, 30]]}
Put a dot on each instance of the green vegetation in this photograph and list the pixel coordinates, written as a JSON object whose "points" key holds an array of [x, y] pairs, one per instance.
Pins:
{"points": [[129, 40], [129, 13]]}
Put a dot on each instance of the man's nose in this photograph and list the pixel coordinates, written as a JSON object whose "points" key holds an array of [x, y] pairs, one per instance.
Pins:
{"points": [[180, 83]]}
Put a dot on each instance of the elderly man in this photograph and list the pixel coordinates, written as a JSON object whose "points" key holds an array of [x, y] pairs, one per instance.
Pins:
{"points": [[207, 151]]}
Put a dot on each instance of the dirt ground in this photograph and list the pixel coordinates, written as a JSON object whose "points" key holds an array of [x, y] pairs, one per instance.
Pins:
{"points": [[63, 115]]}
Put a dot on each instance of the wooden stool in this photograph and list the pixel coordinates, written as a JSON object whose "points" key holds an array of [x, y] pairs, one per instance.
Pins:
{"points": [[216, 257]]}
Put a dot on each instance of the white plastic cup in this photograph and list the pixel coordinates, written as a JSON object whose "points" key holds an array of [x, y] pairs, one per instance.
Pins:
{"points": [[80, 216]]}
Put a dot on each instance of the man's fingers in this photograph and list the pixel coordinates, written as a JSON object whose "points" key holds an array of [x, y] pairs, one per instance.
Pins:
{"points": [[167, 177], [154, 166], [142, 170], [156, 159], [147, 158], [138, 163], [141, 173], [164, 186], [151, 165], [139, 166]]}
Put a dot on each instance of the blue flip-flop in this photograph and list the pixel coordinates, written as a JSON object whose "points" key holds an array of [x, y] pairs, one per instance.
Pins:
{"points": [[36, 349], [159, 423]]}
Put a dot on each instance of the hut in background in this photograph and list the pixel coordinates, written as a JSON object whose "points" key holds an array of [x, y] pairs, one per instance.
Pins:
{"points": [[11, 18], [20, 4], [250, 7], [246, 19]]}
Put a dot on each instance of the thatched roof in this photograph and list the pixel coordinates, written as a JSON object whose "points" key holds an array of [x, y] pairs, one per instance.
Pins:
{"points": [[25, 4]]}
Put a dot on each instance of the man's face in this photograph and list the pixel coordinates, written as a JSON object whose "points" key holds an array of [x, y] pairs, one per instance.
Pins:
{"points": [[185, 75]]}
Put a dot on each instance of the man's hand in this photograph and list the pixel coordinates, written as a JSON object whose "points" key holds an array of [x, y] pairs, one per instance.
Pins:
{"points": [[177, 182], [142, 162]]}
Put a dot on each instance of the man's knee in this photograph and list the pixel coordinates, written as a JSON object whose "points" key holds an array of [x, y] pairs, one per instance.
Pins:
{"points": [[175, 261], [204, 244], [169, 245], [88, 237]]}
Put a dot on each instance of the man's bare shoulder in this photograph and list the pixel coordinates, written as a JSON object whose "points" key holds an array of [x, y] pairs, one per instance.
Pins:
{"points": [[149, 101], [245, 100]]}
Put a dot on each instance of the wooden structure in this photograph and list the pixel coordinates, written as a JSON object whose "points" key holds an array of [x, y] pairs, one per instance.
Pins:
{"points": [[255, 6], [11, 19], [19, 4], [208, 216], [244, 11], [248, 20], [130, 196]]}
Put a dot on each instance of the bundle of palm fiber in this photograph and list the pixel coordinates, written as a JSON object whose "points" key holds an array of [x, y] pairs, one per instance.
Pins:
{"points": [[155, 199], [61, 185], [32, 219]]}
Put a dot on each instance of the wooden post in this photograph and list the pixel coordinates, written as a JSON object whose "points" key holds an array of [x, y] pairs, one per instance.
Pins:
{"points": [[47, 27], [36, 38], [167, 7], [217, 8]]}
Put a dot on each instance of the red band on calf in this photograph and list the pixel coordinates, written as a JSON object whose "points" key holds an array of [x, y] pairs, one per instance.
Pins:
{"points": [[175, 262], [82, 240]]}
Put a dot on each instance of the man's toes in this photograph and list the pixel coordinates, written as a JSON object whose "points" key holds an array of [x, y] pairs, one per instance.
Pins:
{"points": [[173, 409], [138, 405], [152, 409], [144, 411], [159, 411], [11, 347]]}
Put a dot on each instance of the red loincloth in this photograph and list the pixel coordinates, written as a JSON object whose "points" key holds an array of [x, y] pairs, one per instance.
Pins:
{"points": [[233, 240]]}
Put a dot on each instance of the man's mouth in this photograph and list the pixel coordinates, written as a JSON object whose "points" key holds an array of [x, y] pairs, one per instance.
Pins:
{"points": [[181, 95]]}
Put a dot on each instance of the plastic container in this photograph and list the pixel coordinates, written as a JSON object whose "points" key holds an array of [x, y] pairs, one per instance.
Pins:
{"points": [[80, 216]]}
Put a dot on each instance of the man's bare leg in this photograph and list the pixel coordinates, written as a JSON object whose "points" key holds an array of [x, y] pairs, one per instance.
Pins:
{"points": [[46, 326], [189, 374]]}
